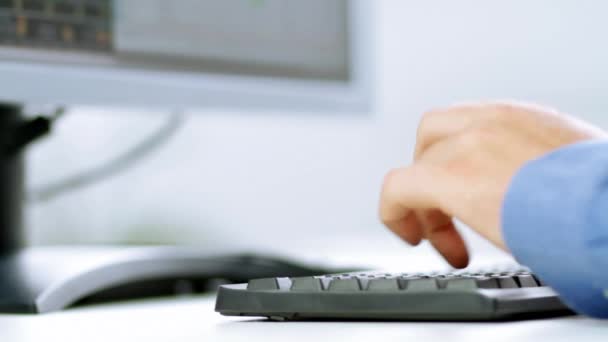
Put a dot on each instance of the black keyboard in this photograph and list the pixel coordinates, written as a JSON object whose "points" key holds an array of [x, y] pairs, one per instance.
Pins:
{"points": [[460, 295]]}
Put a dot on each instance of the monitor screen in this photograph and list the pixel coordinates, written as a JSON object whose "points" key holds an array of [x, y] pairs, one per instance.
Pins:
{"points": [[268, 37], [312, 40]]}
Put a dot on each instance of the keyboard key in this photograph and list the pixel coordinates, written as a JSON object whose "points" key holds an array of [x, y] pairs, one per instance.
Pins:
{"points": [[326, 280], [486, 283], [507, 282], [379, 285], [466, 284], [402, 282], [344, 285], [526, 281], [443, 280], [428, 284], [263, 284], [284, 283], [363, 281], [309, 284]]}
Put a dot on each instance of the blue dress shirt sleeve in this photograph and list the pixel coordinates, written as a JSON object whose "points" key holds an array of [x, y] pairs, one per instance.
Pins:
{"points": [[555, 221]]}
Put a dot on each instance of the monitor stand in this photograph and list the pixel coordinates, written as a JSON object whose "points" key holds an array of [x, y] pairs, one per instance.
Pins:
{"points": [[45, 279]]}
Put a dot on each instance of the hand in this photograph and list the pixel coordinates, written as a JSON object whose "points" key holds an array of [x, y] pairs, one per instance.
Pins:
{"points": [[464, 160]]}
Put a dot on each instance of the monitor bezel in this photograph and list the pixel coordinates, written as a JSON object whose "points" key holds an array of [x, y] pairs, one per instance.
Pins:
{"points": [[27, 81]]}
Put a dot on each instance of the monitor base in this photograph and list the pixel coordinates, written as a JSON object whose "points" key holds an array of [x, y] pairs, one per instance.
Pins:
{"points": [[46, 279]]}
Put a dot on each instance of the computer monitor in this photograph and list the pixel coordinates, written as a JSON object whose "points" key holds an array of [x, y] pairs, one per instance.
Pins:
{"points": [[293, 55]]}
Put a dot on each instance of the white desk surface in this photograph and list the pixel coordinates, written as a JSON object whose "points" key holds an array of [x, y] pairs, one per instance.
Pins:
{"points": [[193, 319]]}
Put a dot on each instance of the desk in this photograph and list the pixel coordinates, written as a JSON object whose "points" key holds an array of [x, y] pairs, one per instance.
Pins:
{"points": [[193, 319]]}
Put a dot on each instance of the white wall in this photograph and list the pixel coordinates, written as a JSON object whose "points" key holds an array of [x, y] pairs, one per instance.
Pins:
{"points": [[309, 183]]}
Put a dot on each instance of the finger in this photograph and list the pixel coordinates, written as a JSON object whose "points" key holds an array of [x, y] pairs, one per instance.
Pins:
{"points": [[448, 242], [409, 188], [440, 230], [405, 190], [418, 188], [430, 218], [408, 228], [439, 124]]}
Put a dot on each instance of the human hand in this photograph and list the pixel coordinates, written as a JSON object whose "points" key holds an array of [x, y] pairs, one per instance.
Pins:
{"points": [[464, 160]]}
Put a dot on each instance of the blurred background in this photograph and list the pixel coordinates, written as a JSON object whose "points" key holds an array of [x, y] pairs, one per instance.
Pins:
{"points": [[306, 183]]}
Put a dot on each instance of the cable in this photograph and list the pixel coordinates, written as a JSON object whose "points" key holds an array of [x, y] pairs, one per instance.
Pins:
{"points": [[110, 168]]}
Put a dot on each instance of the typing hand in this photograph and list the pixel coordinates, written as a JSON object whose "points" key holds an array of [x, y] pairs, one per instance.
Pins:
{"points": [[464, 160]]}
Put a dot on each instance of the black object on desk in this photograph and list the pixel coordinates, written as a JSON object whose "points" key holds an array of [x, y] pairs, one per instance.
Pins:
{"points": [[39, 280]]}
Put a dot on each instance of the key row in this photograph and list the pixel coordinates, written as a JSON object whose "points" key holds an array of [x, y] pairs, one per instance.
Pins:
{"points": [[379, 284]]}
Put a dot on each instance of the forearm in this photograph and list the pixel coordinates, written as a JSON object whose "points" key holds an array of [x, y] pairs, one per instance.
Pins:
{"points": [[555, 220]]}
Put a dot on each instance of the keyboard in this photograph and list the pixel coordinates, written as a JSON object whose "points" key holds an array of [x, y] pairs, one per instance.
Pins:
{"points": [[457, 295]]}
